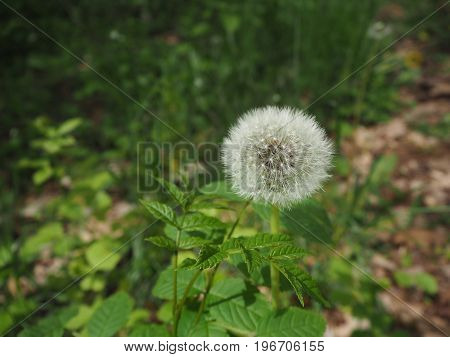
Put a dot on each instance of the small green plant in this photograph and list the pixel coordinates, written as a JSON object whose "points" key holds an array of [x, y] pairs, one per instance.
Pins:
{"points": [[277, 156], [51, 143]]}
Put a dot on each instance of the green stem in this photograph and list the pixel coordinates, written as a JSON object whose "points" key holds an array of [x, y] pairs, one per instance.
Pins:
{"points": [[185, 296], [274, 273], [210, 277], [175, 283]]}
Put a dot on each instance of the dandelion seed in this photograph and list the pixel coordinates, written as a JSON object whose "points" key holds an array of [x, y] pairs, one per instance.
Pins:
{"points": [[277, 155]]}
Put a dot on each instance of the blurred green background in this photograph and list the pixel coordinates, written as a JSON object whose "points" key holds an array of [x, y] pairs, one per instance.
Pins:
{"points": [[68, 177]]}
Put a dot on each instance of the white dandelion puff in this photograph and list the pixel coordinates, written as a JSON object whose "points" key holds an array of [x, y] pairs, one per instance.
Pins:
{"points": [[277, 155]]}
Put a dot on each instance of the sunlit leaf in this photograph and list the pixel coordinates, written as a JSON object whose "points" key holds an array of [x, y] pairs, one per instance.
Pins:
{"points": [[252, 259], [209, 257], [160, 211], [162, 242], [199, 221], [260, 240], [287, 252]]}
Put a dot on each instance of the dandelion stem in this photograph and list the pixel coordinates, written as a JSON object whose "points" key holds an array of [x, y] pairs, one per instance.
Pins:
{"points": [[274, 273]]}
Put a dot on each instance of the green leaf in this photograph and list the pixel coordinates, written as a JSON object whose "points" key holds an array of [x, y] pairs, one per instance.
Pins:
{"points": [[198, 221], [42, 175], [221, 189], [110, 316], [260, 240], [188, 328], [163, 288], [179, 196], [301, 281], [47, 236], [287, 252], [69, 125], [310, 220], [160, 211], [99, 181], [149, 330], [381, 170], [103, 254], [192, 242], [81, 318], [162, 242], [52, 325], [209, 257], [420, 280], [235, 307], [252, 259], [292, 322]]}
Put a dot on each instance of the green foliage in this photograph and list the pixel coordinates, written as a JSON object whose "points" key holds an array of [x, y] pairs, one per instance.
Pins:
{"points": [[160, 211], [198, 222], [287, 252], [149, 330], [163, 242], [260, 240], [163, 288], [103, 254], [69, 170], [420, 280], [236, 308], [209, 257], [51, 326], [292, 322], [301, 281], [309, 220], [110, 316]]}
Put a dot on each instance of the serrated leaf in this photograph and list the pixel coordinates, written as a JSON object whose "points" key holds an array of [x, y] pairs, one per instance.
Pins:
{"points": [[110, 316], [160, 211], [163, 288], [310, 220], [198, 221], [179, 196], [301, 281], [292, 322], [252, 259], [209, 257], [192, 242], [260, 240], [287, 252], [235, 307], [162, 242]]}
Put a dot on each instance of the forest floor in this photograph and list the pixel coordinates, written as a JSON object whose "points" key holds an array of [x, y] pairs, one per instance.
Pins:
{"points": [[419, 137]]}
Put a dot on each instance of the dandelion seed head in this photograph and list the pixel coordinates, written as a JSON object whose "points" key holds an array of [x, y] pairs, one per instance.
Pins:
{"points": [[276, 155]]}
